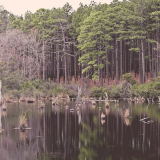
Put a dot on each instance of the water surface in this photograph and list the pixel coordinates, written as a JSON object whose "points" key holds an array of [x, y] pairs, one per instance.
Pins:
{"points": [[59, 133]]}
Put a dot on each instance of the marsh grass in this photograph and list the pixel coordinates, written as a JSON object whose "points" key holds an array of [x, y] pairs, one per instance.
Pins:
{"points": [[23, 120]]}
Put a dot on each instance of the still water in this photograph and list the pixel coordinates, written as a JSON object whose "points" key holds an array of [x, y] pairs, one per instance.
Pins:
{"points": [[127, 132]]}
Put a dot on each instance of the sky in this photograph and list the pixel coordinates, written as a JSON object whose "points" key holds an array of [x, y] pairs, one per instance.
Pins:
{"points": [[19, 7]]}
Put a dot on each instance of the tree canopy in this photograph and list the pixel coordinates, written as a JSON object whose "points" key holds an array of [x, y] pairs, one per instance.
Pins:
{"points": [[99, 41]]}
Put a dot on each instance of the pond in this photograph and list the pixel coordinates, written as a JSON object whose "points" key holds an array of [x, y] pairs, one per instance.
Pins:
{"points": [[121, 132]]}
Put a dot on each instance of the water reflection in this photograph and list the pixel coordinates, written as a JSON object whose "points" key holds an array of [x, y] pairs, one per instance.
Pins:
{"points": [[88, 139], [23, 136], [0, 120], [4, 114], [87, 132]]}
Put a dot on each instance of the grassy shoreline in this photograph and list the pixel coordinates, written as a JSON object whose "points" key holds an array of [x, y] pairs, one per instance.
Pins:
{"points": [[129, 90]]}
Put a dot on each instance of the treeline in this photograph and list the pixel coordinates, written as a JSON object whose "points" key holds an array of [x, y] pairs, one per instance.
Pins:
{"points": [[98, 41]]}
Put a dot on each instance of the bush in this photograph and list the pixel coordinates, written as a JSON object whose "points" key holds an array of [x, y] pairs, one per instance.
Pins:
{"points": [[116, 92], [59, 89], [16, 93], [98, 92], [28, 92], [36, 83], [149, 90], [13, 81], [27, 85], [128, 77]]}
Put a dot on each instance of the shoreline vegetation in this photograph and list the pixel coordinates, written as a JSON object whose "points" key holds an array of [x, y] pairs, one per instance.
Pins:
{"points": [[38, 90]]}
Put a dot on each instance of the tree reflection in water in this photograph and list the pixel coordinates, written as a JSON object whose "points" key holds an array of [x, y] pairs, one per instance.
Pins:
{"points": [[89, 141], [122, 136]]}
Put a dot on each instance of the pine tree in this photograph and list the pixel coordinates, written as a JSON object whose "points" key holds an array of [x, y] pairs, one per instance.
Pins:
{"points": [[92, 41]]}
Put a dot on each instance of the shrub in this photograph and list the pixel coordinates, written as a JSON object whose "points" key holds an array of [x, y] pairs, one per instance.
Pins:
{"points": [[36, 83], [28, 92], [13, 80], [116, 92], [98, 91], [27, 85], [125, 89], [128, 77], [16, 93], [149, 90], [59, 89]]}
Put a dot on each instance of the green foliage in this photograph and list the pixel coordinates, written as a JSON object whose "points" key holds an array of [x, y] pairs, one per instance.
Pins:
{"points": [[13, 80], [134, 49], [116, 92], [16, 93], [36, 83], [59, 89], [125, 89], [27, 84], [93, 35], [149, 90], [93, 29], [128, 77], [98, 91]]}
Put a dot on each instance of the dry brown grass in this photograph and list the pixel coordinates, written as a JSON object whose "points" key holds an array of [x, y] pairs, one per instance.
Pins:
{"points": [[91, 83]]}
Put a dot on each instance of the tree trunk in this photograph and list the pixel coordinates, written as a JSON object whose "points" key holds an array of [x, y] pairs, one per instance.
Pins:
{"points": [[153, 62], [157, 37], [0, 120], [130, 67], [0, 92], [140, 64], [65, 61], [142, 48], [112, 63], [57, 52], [121, 58], [150, 63], [99, 73], [75, 68], [24, 64], [124, 57], [43, 55], [107, 70], [116, 50]]}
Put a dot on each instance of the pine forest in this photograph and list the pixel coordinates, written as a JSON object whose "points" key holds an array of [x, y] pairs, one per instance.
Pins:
{"points": [[96, 42]]}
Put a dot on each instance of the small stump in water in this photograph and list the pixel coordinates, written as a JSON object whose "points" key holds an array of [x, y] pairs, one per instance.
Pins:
{"points": [[4, 106], [41, 104], [1, 130], [23, 127]]}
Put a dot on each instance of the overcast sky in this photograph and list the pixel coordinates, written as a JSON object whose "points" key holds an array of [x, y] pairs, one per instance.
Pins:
{"points": [[19, 7]]}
